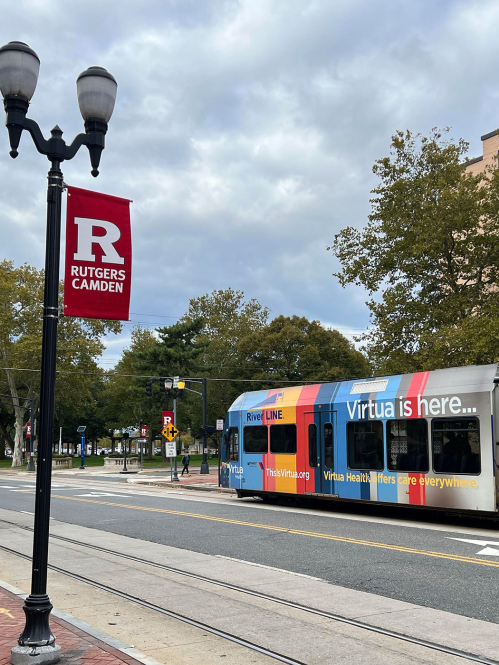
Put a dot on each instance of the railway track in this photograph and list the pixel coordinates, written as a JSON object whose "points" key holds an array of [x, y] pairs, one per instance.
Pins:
{"points": [[226, 635]]}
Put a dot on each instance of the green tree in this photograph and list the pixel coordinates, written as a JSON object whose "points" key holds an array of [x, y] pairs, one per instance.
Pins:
{"points": [[227, 319], [428, 258], [176, 352], [124, 402], [295, 349], [79, 346]]}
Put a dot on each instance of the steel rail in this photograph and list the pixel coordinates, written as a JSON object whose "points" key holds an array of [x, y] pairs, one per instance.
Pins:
{"points": [[162, 610], [328, 615]]}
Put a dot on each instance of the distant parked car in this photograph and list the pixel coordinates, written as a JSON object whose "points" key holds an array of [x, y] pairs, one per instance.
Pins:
{"points": [[157, 451]]}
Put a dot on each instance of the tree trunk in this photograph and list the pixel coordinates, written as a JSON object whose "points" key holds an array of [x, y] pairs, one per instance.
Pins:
{"points": [[17, 457]]}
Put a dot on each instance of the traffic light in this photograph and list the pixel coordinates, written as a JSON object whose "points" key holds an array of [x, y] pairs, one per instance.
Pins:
{"points": [[210, 429], [149, 389]]}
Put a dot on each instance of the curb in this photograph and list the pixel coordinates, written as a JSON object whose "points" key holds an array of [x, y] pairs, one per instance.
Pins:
{"points": [[90, 630], [202, 488]]}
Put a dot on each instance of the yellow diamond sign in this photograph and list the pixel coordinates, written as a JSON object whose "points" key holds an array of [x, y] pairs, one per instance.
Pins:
{"points": [[170, 432]]}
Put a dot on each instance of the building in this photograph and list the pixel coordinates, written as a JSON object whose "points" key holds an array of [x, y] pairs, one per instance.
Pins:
{"points": [[490, 143]]}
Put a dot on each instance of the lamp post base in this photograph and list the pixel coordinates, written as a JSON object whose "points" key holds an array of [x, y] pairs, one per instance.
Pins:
{"points": [[31, 465], [204, 468], [35, 655]]}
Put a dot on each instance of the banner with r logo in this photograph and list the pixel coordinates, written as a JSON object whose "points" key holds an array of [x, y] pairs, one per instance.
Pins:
{"points": [[98, 271]]}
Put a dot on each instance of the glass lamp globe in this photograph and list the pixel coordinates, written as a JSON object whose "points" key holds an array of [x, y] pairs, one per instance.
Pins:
{"points": [[19, 68], [96, 89]]}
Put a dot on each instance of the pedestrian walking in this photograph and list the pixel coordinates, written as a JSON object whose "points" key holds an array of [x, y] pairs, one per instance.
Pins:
{"points": [[185, 461]]}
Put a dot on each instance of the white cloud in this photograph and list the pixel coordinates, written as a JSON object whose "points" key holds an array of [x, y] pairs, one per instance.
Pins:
{"points": [[245, 131]]}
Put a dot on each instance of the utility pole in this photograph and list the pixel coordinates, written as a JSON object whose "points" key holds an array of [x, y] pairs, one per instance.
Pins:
{"points": [[204, 465]]}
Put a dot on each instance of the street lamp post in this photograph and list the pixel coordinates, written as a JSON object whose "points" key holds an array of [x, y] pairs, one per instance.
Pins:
{"points": [[81, 432], [31, 461], [124, 441], [96, 90]]}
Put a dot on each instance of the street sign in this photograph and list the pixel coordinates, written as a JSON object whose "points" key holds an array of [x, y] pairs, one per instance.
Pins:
{"points": [[167, 418], [81, 429], [220, 425], [175, 381], [170, 449], [170, 432]]}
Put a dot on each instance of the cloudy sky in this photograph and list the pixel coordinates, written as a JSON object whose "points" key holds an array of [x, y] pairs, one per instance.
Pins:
{"points": [[245, 132]]}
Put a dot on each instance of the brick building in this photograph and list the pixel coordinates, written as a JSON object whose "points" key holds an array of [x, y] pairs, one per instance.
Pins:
{"points": [[490, 143]]}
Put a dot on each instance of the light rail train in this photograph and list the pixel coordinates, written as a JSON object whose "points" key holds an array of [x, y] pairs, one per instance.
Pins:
{"points": [[422, 439]]}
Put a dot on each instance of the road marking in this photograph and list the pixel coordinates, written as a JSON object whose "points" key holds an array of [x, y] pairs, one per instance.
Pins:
{"points": [[8, 487], [486, 551], [122, 496], [5, 611], [296, 532]]}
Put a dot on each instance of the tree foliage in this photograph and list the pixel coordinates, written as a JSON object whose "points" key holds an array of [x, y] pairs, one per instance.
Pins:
{"points": [[428, 257], [79, 346], [227, 319], [295, 349]]}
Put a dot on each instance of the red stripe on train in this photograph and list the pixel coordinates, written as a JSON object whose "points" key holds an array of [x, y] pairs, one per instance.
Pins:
{"points": [[417, 492]]}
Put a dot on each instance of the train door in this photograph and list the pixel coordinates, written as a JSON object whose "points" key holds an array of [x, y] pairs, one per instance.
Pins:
{"points": [[320, 433]]}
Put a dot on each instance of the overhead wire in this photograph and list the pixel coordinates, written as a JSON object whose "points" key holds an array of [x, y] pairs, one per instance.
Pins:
{"points": [[151, 376]]}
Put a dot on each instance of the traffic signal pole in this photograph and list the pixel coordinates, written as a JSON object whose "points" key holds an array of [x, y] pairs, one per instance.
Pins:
{"points": [[175, 474]]}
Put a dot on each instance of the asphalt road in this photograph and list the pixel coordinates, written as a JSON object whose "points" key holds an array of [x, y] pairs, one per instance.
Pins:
{"points": [[417, 563]]}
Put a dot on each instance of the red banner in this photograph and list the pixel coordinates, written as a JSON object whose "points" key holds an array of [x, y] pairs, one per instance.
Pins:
{"points": [[143, 432], [98, 256], [28, 430], [167, 418]]}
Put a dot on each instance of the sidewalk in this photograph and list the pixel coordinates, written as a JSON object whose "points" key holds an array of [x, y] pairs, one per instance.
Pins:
{"points": [[78, 646]]}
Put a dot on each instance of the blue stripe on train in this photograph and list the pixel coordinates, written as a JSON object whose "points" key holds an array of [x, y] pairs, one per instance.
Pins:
{"points": [[324, 400]]}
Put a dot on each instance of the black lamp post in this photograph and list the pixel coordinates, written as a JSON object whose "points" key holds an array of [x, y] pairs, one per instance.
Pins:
{"points": [[96, 90]]}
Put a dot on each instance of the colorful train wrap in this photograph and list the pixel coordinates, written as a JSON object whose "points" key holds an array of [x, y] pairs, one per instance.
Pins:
{"points": [[424, 439]]}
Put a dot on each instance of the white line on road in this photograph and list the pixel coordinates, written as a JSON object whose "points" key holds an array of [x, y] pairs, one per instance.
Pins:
{"points": [[486, 551]]}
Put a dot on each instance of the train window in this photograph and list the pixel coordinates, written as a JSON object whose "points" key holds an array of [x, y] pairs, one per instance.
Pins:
{"points": [[312, 445], [365, 445], [233, 445], [328, 446], [456, 445], [283, 439], [407, 445], [256, 439]]}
